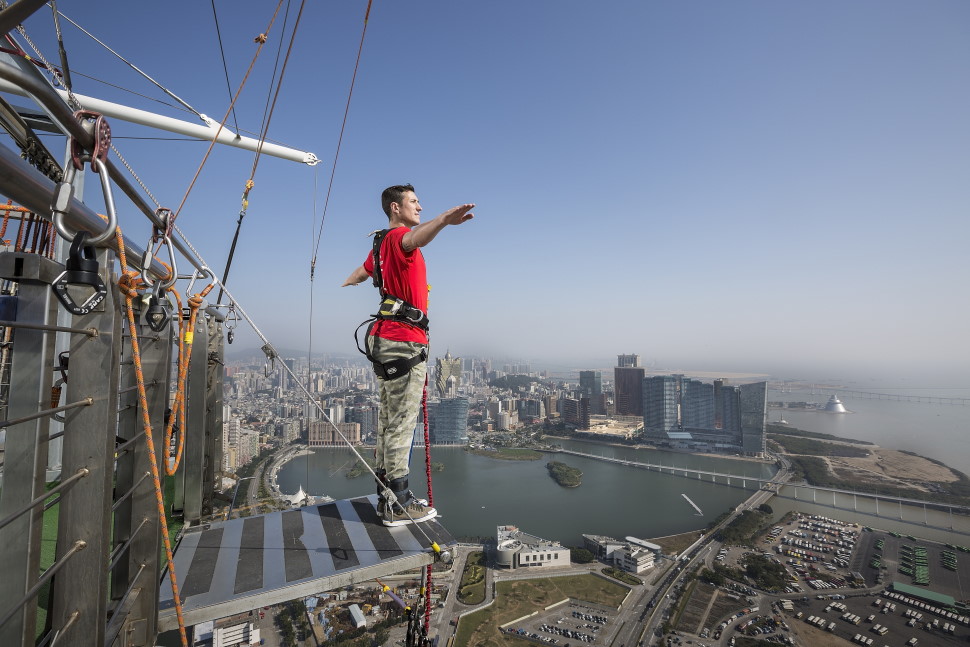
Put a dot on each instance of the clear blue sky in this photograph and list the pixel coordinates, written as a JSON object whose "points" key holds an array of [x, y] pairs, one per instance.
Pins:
{"points": [[741, 186]]}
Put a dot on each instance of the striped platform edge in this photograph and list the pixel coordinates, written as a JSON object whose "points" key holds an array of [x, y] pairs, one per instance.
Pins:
{"points": [[235, 566]]}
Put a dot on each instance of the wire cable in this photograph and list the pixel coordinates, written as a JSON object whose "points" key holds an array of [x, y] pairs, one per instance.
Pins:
{"points": [[134, 67], [222, 52], [340, 139]]}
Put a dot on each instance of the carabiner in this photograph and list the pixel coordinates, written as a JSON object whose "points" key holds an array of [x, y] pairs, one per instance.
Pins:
{"points": [[101, 134], [195, 276], [168, 218]]}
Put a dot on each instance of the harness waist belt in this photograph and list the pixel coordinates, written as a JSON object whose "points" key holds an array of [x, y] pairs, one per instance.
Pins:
{"points": [[399, 367], [397, 309]]}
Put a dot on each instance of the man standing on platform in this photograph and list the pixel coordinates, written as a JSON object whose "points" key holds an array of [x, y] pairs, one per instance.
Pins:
{"points": [[397, 341]]}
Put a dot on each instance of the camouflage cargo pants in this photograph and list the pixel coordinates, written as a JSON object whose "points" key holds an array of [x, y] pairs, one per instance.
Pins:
{"points": [[400, 403]]}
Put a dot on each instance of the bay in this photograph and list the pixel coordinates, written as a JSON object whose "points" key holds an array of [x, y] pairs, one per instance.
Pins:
{"points": [[938, 431], [475, 494]]}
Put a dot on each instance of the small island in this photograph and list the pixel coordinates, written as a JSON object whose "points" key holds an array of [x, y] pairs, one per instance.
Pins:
{"points": [[564, 475]]}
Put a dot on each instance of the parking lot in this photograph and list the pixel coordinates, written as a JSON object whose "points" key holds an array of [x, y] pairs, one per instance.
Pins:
{"points": [[571, 623]]}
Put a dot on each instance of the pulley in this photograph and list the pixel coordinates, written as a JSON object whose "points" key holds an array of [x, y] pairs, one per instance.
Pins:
{"points": [[82, 269], [156, 316]]}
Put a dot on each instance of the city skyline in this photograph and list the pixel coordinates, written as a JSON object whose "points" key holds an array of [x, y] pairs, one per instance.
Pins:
{"points": [[764, 188]]}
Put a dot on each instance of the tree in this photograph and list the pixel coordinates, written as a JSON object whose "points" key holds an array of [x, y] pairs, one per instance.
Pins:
{"points": [[764, 507], [581, 556]]}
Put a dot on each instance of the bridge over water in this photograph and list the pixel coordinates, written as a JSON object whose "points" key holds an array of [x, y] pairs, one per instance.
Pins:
{"points": [[839, 498]]}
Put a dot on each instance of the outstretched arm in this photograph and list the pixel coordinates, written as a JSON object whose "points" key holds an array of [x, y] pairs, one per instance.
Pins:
{"points": [[424, 233], [357, 276]]}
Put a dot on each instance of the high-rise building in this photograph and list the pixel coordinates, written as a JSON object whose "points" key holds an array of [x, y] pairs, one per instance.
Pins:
{"points": [[661, 403], [628, 361], [448, 421], [628, 387], [576, 412], [754, 401], [446, 368], [591, 386], [696, 404]]}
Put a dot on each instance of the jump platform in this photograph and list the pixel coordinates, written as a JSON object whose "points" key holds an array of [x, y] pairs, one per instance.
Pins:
{"points": [[235, 566]]}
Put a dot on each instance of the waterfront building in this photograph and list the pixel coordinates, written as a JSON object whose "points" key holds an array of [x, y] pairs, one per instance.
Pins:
{"points": [[661, 403], [591, 386], [448, 421], [696, 414], [628, 390], [633, 559], [576, 412], [754, 416], [632, 555], [446, 368], [322, 434], [518, 549]]}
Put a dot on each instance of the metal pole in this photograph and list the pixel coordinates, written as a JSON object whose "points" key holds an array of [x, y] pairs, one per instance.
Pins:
{"points": [[215, 370], [193, 458], [89, 441], [204, 132], [25, 454], [135, 504]]}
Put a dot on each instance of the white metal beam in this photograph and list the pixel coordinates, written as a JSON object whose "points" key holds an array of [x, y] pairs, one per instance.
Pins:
{"points": [[205, 131]]}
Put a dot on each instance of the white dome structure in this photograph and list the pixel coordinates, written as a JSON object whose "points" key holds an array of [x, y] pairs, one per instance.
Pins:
{"points": [[834, 405]]}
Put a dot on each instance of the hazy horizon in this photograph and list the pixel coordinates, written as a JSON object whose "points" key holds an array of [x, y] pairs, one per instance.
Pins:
{"points": [[775, 188]]}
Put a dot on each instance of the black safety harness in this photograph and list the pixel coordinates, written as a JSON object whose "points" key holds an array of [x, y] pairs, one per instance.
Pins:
{"points": [[391, 308]]}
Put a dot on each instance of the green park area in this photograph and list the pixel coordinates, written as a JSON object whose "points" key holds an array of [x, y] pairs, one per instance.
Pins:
{"points": [[517, 598]]}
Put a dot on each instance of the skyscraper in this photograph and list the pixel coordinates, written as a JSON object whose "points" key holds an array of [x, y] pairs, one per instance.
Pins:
{"points": [[628, 361], [445, 368], [661, 403], [448, 421], [576, 412], [754, 401], [697, 404], [628, 385], [591, 386]]}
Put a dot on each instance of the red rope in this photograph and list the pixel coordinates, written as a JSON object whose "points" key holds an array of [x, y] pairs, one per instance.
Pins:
{"points": [[427, 440], [427, 468]]}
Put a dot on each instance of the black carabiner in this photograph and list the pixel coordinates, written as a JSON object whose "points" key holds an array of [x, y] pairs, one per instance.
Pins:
{"points": [[82, 269]]}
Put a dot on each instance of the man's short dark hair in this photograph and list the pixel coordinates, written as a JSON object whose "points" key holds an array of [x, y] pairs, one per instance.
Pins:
{"points": [[394, 194]]}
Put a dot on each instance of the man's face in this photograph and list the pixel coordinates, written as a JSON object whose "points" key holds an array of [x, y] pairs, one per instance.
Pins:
{"points": [[409, 210]]}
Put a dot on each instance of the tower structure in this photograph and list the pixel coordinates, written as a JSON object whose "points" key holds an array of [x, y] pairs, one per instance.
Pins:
{"points": [[447, 367]]}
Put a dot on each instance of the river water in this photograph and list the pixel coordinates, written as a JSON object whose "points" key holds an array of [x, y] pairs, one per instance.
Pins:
{"points": [[475, 494]]}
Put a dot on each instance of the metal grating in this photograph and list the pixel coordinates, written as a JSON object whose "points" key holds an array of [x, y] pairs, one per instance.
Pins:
{"points": [[235, 566]]}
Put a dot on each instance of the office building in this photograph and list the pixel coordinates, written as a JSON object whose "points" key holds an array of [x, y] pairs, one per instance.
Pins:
{"points": [[661, 403], [697, 414], [517, 549], [448, 421], [591, 386], [628, 390], [754, 403], [576, 412]]}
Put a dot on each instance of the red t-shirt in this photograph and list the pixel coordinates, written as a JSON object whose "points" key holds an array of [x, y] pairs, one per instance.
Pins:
{"points": [[405, 277]]}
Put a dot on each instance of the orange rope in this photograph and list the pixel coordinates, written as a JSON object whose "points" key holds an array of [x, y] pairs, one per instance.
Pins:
{"points": [[128, 285]]}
